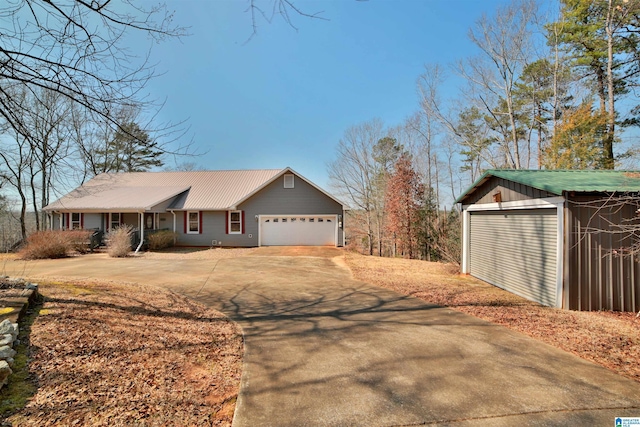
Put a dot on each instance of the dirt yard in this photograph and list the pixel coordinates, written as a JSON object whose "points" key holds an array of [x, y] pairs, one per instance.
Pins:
{"points": [[105, 354], [609, 339]]}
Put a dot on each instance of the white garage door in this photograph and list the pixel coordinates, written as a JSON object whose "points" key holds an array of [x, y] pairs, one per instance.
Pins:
{"points": [[516, 250], [298, 230]]}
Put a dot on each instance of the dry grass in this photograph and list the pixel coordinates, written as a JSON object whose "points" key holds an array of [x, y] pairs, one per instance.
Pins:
{"points": [[610, 339], [121, 355]]}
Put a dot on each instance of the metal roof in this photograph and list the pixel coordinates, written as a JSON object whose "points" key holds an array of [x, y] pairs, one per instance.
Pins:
{"points": [[196, 190], [103, 197], [208, 190], [559, 181]]}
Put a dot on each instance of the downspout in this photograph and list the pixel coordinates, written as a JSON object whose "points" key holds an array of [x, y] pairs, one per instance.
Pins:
{"points": [[141, 225]]}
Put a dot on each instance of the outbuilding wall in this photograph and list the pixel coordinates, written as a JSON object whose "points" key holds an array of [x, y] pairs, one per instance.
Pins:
{"points": [[601, 270], [509, 192]]}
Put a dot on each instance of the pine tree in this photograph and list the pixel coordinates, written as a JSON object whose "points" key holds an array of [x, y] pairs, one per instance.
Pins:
{"points": [[602, 37], [130, 150]]}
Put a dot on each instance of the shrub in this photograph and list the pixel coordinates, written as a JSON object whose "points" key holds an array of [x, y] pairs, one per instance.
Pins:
{"points": [[119, 241], [79, 240], [54, 243], [161, 239]]}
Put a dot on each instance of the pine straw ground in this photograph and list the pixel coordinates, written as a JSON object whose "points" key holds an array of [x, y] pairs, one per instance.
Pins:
{"points": [[610, 339], [105, 354]]}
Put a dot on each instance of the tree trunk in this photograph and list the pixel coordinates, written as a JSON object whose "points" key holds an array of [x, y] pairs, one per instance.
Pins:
{"points": [[609, 162]]}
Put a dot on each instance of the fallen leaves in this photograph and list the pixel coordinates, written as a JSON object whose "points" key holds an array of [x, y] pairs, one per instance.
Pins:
{"points": [[610, 339], [122, 355]]}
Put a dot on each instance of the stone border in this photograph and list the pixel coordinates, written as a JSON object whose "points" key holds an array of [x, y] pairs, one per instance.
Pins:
{"points": [[8, 329]]}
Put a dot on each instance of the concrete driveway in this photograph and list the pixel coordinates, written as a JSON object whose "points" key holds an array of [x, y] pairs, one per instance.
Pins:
{"points": [[323, 349]]}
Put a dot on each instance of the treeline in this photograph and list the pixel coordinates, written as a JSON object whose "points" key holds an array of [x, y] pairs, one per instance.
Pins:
{"points": [[548, 89], [71, 104]]}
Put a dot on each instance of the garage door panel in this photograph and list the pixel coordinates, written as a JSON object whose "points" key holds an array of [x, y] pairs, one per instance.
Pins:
{"points": [[317, 230], [516, 250]]}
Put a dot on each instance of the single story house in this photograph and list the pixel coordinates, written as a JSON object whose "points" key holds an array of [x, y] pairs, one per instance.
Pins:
{"points": [[237, 208], [563, 238]]}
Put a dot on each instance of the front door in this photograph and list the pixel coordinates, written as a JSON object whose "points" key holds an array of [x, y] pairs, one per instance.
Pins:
{"points": [[149, 223]]}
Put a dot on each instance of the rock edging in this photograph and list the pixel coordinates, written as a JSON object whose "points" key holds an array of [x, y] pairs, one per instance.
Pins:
{"points": [[9, 330]]}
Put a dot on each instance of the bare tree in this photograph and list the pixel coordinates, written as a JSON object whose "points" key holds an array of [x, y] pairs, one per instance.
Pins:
{"points": [[48, 127], [285, 9], [505, 43], [75, 49], [353, 173], [16, 162]]}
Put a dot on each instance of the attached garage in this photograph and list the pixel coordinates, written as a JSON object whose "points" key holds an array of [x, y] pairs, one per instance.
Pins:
{"points": [[557, 237], [298, 230]]}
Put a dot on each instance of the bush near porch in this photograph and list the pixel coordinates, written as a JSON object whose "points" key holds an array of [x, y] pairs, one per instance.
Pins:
{"points": [[56, 244]]}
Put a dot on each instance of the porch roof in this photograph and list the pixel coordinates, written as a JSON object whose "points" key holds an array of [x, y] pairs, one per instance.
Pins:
{"points": [[117, 199]]}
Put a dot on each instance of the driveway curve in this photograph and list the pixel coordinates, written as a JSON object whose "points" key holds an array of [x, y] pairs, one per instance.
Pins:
{"points": [[322, 349]]}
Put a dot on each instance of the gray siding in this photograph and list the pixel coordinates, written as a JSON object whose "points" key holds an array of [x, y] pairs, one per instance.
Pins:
{"points": [[601, 272], [92, 221], [510, 191], [214, 228], [516, 250], [274, 199], [303, 199], [162, 207]]}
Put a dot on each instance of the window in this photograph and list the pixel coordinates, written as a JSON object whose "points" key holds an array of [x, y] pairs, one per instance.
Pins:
{"points": [[193, 225], [288, 180], [76, 221], [115, 220], [235, 222]]}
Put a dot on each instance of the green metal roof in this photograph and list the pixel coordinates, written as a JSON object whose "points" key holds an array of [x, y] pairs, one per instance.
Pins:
{"points": [[559, 181]]}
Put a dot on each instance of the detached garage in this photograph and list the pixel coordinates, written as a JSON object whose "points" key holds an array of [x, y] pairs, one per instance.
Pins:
{"points": [[560, 238]]}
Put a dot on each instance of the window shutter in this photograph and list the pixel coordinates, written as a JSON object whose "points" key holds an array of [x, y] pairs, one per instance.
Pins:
{"points": [[186, 214], [226, 226], [242, 224], [67, 226], [200, 219], [82, 221]]}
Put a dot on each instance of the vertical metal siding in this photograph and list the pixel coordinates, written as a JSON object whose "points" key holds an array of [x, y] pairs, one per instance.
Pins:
{"points": [[603, 272], [516, 250]]}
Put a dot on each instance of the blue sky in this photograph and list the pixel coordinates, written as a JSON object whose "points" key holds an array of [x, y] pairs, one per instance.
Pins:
{"points": [[285, 97]]}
